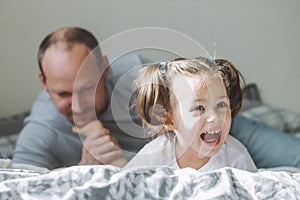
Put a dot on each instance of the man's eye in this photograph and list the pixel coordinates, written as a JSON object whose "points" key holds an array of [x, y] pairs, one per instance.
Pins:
{"points": [[64, 94], [88, 89], [221, 105], [199, 108]]}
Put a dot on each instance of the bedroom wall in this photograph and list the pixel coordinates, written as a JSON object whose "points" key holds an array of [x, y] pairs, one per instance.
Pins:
{"points": [[260, 37]]}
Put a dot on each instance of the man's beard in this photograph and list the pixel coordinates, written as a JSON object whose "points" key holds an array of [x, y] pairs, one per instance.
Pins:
{"points": [[80, 120]]}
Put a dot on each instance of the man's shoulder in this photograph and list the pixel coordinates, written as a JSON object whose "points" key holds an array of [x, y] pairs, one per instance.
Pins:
{"points": [[122, 64], [44, 112], [43, 106]]}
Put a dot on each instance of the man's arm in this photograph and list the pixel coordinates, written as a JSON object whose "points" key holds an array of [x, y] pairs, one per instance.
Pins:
{"points": [[34, 147], [267, 146]]}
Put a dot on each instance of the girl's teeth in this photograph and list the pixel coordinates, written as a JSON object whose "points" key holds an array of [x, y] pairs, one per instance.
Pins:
{"points": [[213, 132], [210, 137]]}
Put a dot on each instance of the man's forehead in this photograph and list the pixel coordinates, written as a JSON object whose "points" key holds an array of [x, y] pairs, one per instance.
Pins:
{"points": [[78, 56], [66, 68], [64, 47]]}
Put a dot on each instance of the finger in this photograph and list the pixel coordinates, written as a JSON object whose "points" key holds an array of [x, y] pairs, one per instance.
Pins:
{"points": [[88, 159], [115, 141], [97, 149], [90, 127], [97, 133], [109, 157], [93, 131], [119, 162], [91, 142]]}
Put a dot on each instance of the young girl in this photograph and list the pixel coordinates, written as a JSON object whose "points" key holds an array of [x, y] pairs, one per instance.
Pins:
{"points": [[189, 104]]}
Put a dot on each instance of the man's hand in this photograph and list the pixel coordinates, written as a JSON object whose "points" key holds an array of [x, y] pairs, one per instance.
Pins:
{"points": [[99, 147]]}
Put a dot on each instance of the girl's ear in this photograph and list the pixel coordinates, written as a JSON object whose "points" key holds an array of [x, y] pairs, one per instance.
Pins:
{"points": [[169, 126], [159, 116]]}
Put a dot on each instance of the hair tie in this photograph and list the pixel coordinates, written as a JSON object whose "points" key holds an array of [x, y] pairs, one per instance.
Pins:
{"points": [[162, 65], [162, 68], [211, 61]]}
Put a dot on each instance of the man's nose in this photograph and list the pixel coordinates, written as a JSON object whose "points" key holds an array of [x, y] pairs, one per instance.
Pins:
{"points": [[77, 103]]}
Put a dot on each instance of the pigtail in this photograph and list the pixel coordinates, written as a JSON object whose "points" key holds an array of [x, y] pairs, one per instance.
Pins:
{"points": [[232, 79], [153, 95]]}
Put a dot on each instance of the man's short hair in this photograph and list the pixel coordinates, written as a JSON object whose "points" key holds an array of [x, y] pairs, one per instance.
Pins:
{"points": [[69, 36]]}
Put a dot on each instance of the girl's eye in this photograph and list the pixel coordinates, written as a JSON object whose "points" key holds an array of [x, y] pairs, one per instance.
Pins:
{"points": [[199, 108], [221, 105]]}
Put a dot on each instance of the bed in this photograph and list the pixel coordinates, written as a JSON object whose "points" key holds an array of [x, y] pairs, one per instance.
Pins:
{"points": [[107, 182]]}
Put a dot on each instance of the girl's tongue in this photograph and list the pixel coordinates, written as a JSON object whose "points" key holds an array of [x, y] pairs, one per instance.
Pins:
{"points": [[210, 137]]}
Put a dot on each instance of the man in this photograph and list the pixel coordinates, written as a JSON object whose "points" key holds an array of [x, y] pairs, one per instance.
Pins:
{"points": [[80, 96], [47, 139]]}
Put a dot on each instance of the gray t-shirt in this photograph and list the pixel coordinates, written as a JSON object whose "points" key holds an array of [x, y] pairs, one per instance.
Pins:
{"points": [[47, 139]]}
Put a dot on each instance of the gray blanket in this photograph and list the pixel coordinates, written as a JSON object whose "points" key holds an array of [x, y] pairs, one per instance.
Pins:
{"points": [[107, 182]]}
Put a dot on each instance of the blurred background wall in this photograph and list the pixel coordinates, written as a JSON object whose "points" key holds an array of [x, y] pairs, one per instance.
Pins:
{"points": [[260, 37]]}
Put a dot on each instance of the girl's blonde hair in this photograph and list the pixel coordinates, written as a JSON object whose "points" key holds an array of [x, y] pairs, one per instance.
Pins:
{"points": [[154, 97]]}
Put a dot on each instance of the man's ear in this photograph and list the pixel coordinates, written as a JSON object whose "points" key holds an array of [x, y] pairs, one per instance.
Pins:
{"points": [[43, 81], [105, 65]]}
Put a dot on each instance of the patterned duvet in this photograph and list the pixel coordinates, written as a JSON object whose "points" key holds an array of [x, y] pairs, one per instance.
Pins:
{"points": [[107, 182]]}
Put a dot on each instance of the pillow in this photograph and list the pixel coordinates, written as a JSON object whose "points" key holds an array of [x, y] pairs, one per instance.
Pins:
{"points": [[7, 145], [12, 124], [10, 128], [251, 97], [281, 119], [253, 108]]}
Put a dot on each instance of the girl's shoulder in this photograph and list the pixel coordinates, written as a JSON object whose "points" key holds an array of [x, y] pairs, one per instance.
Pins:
{"points": [[233, 145], [158, 142]]}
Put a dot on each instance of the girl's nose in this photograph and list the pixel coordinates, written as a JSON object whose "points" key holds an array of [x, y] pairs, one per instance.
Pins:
{"points": [[212, 116]]}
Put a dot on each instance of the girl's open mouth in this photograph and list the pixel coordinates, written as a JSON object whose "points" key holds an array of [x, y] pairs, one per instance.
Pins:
{"points": [[211, 137]]}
